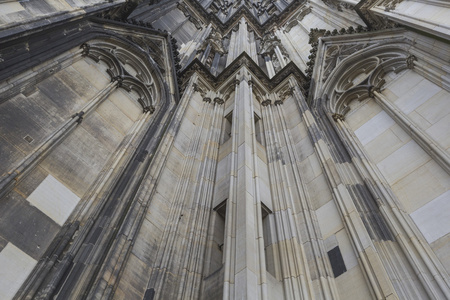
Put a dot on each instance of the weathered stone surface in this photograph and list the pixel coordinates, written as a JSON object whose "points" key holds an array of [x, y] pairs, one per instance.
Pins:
{"points": [[126, 175]]}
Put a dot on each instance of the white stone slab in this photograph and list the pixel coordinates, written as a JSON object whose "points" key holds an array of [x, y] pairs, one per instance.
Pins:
{"points": [[348, 254], [374, 127], [54, 199], [433, 219], [403, 161], [15, 266], [416, 96], [329, 219], [10, 7]]}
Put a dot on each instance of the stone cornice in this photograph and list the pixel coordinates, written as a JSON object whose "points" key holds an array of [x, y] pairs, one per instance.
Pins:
{"points": [[243, 60], [260, 28]]}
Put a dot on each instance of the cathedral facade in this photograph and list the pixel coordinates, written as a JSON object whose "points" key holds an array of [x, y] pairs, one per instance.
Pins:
{"points": [[213, 149]]}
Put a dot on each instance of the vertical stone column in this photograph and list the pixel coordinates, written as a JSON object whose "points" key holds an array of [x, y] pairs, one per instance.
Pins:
{"points": [[242, 253], [242, 40], [195, 243], [321, 265], [294, 270], [434, 278], [163, 269], [370, 261], [418, 135]]}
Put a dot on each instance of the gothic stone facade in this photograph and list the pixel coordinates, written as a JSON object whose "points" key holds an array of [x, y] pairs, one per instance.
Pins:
{"points": [[225, 149]]}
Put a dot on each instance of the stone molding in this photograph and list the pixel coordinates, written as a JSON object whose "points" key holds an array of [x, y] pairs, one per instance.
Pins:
{"points": [[242, 60]]}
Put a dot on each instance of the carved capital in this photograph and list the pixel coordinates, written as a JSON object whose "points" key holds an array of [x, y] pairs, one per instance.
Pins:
{"points": [[266, 102], [149, 108], [373, 89], [200, 89], [337, 117], [86, 47], [80, 116], [207, 99], [278, 102], [219, 101], [410, 61], [119, 80]]}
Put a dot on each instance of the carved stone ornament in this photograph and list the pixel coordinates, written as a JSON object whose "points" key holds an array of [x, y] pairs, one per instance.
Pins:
{"points": [[266, 102], [410, 61], [296, 18], [337, 117], [219, 101], [269, 43], [214, 39], [201, 89], [336, 53]]}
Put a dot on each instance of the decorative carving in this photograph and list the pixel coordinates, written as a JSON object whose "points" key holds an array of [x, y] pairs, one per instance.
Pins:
{"points": [[298, 17], [389, 5], [243, 60], [337, 117], [278, 102], [266, 102], [410, 61], [153, 47], [336, 53], [221, 6], [214, 39], [268, 47], [268, 44], [219, 101], [85, 48], [373, 89], [315, 34], [338, 5], [207, 99], [200, 89], [264, 6], [119, 80], [149, 108], [243, 9]]}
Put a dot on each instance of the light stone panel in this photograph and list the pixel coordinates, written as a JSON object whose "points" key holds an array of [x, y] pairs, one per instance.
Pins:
{"points": [[351, 285], [403, 83], [433, 219], [436, 107], [416, 95], [361, 112], [424, 184], [347, 251], [10, 7], [54, 199], [15, 266], [440, 132], [374, 127], [319, 194], [329, 219], [402, 162], [390, 142]]}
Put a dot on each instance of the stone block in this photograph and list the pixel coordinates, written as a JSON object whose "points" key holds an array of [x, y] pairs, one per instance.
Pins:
{"points": [[25, 226], [403, 162], [421, 186], [329, 219], [16, 265], [374, 127], [54, 199], [352, 286], [433, 219]]}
